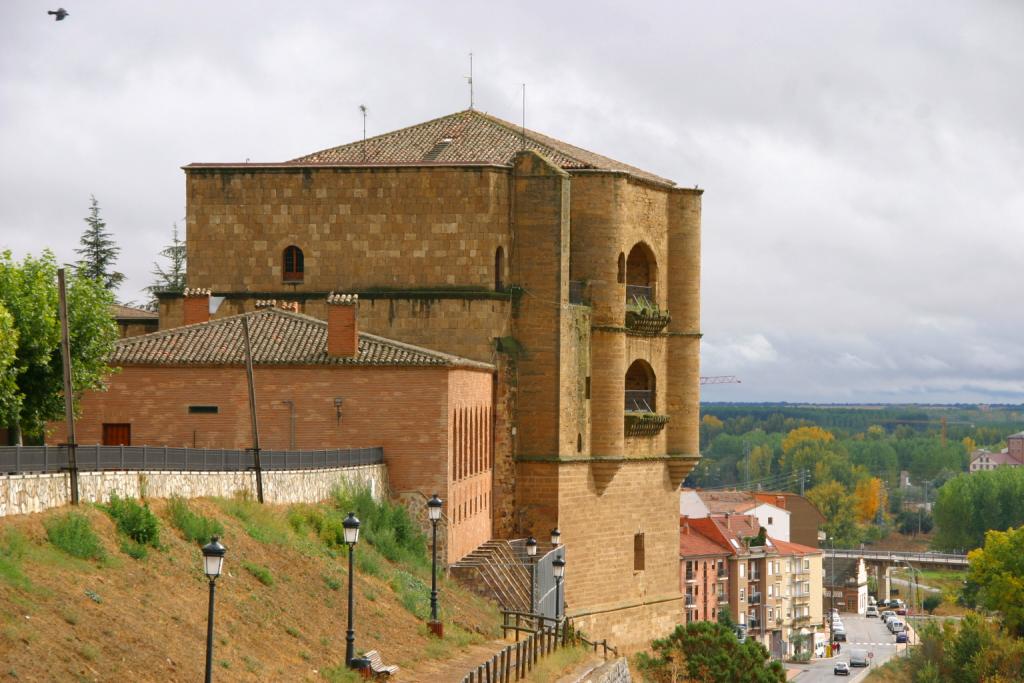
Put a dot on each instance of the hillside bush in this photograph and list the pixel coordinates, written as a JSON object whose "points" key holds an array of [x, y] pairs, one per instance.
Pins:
{"points": [[12, 550], [385, 525], [73, 534], [135, 521], [193, 526], [261, 573]]}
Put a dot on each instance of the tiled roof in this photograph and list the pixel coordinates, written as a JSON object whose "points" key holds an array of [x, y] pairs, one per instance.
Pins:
{"points": [[787, 548], [121, 312], [277, 337], [692, 542], [467, 137]]}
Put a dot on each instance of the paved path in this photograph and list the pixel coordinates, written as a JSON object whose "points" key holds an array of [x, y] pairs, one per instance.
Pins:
{"points": [[863, 633], [453, 669]]}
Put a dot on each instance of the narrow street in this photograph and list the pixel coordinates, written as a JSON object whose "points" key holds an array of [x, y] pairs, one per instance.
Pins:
{"points": [[862, 633]]}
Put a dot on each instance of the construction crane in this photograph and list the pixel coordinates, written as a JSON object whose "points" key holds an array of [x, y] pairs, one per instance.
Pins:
{"points": [[720, 379]]}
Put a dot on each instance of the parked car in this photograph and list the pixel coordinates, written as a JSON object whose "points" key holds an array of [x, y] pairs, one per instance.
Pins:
{"points": [[841, 669], [887, 615], [839, 634], [872, 611], [858, 657], [901, 637], [896, 625], [902, 611]]}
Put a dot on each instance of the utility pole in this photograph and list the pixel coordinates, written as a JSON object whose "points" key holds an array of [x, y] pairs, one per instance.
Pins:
{"points": [[69, 396], [252, 410]]}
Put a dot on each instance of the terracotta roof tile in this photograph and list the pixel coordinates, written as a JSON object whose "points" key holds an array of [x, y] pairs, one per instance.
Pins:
{"points": [[278, 337], [467, 137], [693, 542], [120, 312]]}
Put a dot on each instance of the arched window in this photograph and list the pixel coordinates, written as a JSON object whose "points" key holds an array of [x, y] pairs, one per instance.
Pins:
{"points": [[499, 269], [641, 273], [621, 279], [640, 388], [293, 264]]}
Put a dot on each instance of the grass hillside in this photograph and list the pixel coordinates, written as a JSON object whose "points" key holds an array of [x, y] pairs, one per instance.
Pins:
{"points": [[117, 593]]}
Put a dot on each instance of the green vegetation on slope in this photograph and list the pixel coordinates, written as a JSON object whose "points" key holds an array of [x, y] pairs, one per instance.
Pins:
{"points": [[284, 583]]}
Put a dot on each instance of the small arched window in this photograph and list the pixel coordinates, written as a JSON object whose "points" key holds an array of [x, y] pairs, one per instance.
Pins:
{"points": [[622, 268], [499, 269], [294, 267], [640, 387]]}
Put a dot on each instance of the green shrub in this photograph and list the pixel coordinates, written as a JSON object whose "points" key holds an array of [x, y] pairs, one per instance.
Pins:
{"points": [[332, 583], [368, 562], [261, 573], [12, 550], [260, 523], [135, 521], [134, 550], [386, 526], [412, 593], [193, 526], [73, 534]]}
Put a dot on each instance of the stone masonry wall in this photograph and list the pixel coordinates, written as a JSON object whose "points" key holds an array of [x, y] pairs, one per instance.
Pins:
{"points": [[27, 493], [616, 671], [354, 226]]}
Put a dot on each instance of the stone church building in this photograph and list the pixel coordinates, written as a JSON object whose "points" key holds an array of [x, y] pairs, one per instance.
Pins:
{"points": [[573, 279]]}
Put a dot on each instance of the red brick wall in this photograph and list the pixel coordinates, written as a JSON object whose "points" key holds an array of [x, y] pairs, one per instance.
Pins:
{"points": [[408, 411], [471, 460]]}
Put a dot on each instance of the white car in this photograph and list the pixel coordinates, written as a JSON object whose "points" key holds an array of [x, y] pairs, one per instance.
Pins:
{"points": [[872, 611], [895, 625], [887, 615]]}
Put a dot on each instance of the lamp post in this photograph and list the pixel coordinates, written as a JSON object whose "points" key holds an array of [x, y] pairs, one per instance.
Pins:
{"points": [[213, 563], [531, 552], [558, 568], [434, 512], [351, 526], [555, 536]]}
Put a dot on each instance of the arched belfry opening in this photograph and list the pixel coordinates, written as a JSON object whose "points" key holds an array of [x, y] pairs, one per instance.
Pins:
{"points": [[641, 273], [499, 269], [641, 385]]}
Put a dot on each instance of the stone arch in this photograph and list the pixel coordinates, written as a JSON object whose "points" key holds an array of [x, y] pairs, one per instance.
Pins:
{"points": [[641, 387], [641, 266]]}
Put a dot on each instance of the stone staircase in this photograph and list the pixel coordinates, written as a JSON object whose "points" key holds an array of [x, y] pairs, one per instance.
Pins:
{"points": [[494, 571]]}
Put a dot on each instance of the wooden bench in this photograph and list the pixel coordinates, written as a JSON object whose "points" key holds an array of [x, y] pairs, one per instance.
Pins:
{"points": [[377, 664]]}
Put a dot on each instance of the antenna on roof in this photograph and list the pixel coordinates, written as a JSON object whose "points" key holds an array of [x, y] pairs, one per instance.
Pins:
{"points": [[469, 78], [362, 108], [524, 117]]}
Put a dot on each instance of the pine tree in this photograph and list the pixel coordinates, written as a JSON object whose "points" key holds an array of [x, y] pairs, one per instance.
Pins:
{"points": [[173, 278], [99, 252]]}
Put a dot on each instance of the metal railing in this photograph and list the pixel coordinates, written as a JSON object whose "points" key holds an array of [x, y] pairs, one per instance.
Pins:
{"points": [[33, 459], [755, 599], [639, 293], [639, 401], [723, 573], [690, 600], [896, 557], [690, 576]]}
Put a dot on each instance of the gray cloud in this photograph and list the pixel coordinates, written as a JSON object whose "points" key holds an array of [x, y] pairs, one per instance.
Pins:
{"points": [[863, 161]]}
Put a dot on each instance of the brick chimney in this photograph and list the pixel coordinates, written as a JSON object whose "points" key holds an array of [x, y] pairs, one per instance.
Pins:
{"points": [[342, 325], [197, 306]]}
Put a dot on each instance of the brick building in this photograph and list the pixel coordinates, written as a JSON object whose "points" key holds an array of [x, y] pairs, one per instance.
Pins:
{"points": [[576, 276], [703, 574], [772, 591], [318, 385], [846, 585]]}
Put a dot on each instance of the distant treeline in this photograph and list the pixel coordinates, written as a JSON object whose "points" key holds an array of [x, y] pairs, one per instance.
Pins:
{"points": [[985, 425]]}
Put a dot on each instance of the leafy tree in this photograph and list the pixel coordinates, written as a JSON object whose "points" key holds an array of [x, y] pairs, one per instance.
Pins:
{"points": [[969, 505], [836, 505], [709, 653], [931, 603], [172, 279], [869, 500], [760, 462], [997, 571], [98, 251], [8, 354], [28, 290]]}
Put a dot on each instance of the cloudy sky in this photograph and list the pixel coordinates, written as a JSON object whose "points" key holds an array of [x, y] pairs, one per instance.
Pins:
{"points": [[863, 162]]}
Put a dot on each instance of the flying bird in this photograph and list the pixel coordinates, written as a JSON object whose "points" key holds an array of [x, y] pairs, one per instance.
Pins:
{"points": [[59, 14]]}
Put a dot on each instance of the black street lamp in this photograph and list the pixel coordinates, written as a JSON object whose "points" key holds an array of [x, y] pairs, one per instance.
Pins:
{"points": [[558, 568], [434, 512], [351, 526], [531, 553], [213, 563], [555, 536]]}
